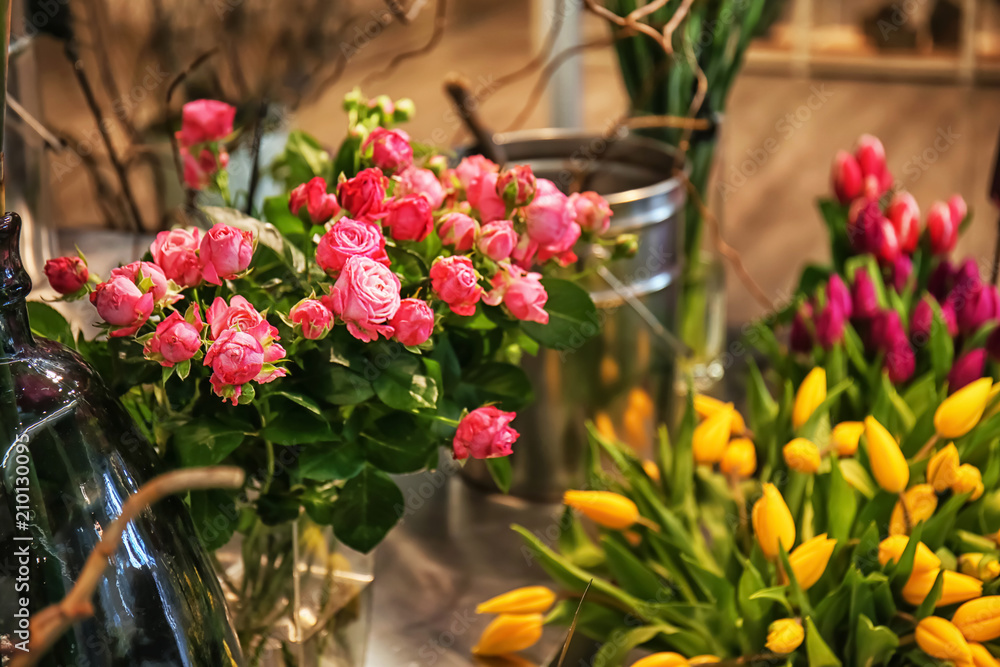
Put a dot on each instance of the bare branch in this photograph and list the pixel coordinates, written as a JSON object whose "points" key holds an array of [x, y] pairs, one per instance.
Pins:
{"points": [[440, 13]]}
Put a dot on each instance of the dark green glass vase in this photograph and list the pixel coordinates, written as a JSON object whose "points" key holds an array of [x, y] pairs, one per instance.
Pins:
{"points": [[71, 456]]}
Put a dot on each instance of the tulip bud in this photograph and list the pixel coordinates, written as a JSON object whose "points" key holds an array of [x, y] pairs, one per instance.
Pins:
{"points": [[652, 470], [886, 242], [977, 308], [959, 413], [941, 229], [887, 461], [509, 633], [527, 600], [904, 214], [712, 435], [957, 587], [772, 522], [706, 406], [739, 459], [662, 660], [902, 269], [607, 509], [939, 638], [921, 320], [830, 326], [864, 299], [974, 565], [800, 337], [838, 294], [891, 549], [802, 455], [942, 469], [845, 176], [979, 620], [958, 209], [845, 437], [920, 503], [969, 480], [785, 635], [812, 392], [981, 657], [809, 560]]}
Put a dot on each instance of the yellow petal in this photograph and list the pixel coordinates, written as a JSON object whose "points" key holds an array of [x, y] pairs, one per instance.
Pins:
{"points": [[921, 502], [812, 392], [706, 406], [704, 660], [981, 657], [662, 660], [887, 461], [957, 587], [772, 522], [939, 638], [610, 510], [509, 633], [785, 635], [979, 620], [802, 455], [942, 469], [969, 480], [809, 559], [740, 458], [891, 549], [526, 600], [845, 437], [712, 435], [959, 413]]}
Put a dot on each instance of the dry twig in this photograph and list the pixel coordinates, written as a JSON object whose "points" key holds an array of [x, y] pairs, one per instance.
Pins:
{"points": [[440, 15]]}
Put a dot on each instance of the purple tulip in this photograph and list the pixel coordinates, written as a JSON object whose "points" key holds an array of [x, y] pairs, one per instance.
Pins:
{"points": [[950, 318], [864, 226], [966, 276], [977, 309], [887, 331], [967, 369], [921, 320], [830, 326], [993, 344], [900, 361], [800, 339], [941, 280], [902, 268], [838, 294], [863, 296]]}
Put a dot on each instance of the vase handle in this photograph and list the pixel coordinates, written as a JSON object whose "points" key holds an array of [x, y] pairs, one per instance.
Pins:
{"points": [[15, 283]]}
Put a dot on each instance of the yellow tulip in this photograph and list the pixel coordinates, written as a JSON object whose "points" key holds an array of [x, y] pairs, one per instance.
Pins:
{"points": [[712, 435], [706, 406], [979, 620], [845, 437], [959, 413], [942, 469], [652, 470], [606, 427], [974, 566], [640, 401], [811, 393], [662, 660], [891, 549], [526, 600], [920, 501], [772, 522], [802, 455], [740, 458], [704, 660], [509, 633], [610, 510], [968, 479], [939, 638], [981, 657], [809, 559], [785, 635], [957, 587], [887, 461]]}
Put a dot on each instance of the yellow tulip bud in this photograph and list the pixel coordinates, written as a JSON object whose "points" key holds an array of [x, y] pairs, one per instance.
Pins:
{"points": [[974, 566], [845, 437], [979, 620], [704, 660], [739, 459], [959, 413], [939, 638], [968, 479], [920, 501], [606, 427], [663, 660], [957, 587], [772, 522], [785, 635], [887, 461], [509, 633], [526, 600], [981, 657], [809, 559], [706, 406], [610, 510], [811, 393], [712, 435], [802, 455], [943, 468], [640, 401], [891, 549], [652, 470]]}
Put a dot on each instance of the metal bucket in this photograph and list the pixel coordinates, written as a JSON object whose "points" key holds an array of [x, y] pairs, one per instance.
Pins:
{"points": [[623, 377]]}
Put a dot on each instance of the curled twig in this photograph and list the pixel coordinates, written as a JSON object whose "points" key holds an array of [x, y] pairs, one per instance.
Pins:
{"points": [[441, 10]]}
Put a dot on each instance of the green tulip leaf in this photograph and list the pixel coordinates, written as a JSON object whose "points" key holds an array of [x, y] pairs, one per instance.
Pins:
{"points": [[873, 644], [817, 651]]}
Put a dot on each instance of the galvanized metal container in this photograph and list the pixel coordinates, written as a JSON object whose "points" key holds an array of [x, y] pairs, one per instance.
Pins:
{"points": [[623, 377]]}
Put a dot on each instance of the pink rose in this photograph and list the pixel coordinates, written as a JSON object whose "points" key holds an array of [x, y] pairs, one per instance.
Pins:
{"points": [[225, 253], [67, 275], [521, 293], [365, 296], [176, 252], [176, 339], [458, 231], [391, 149], [561, 250], [364, 195], [456, 282], [198, 171], [123, 305], [472, 167], [312, 194], [350, 238], [497, 240], [482, 194], [548, 215], [485, 433], [516, 185], [164, 293], [414, 181], [312, 317], [409, 218], [206, 120], [237, 314], [591, 211], [413, 323], [235, 358]]}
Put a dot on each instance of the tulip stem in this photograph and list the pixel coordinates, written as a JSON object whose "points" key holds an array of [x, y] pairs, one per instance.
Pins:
{"points": [[926, 449], [648, 523]]}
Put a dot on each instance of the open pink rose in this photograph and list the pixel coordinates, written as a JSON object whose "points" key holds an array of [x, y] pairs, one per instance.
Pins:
{"points": [[366, 297], [497, 239], [409, 218], [423, 182], [485, 433], [348, 238], [458, 231], [235, 358], [312, 194], [67, 275], [225, 253], [391, 149], [548, 215], [521, 293], [456, 282], [176, 339], [237, 314], [123, 305], [312, 318], [164, 292], [561, 250], [206, 120], [472, 167], [482, 194], [364, 195], [591, 211], [413, 323], [176, 252]]}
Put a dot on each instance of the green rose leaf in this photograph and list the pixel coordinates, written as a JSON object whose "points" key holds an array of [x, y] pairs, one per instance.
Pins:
{"points": [[403, 385], [368, 507], [501, 472], [505, 384], [398, 443], [207, 442], [48, 322], [330, 461], [572, 316], [214, 515]]}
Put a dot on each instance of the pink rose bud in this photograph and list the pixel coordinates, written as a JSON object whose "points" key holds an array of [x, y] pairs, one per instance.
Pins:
{"points": [[225, 253], [838, 294], [485, 433], [497, 240], [871, 158], [562, 250], [423, 182], [176, 252], [591, 211], [312, 318], [164, 293], [409, 218], [482, 194], [548, 215], [967, 369], [845, 175], [312, 194], [921, 320], [525, 298], [958, 209], [456, 282], [516, 185], [458, 231], [941, 229], [67, 275], [900, 362], [902, 269], [904, 214], [176, 339], [800, 338], [205, 120], [977, 308], [830, 326], [123, 305], [366, 297], [364, 195], [864, 299], [413, 323], [235, 358], [472, 167], [350, 238], [391, 149], [198, 171]]}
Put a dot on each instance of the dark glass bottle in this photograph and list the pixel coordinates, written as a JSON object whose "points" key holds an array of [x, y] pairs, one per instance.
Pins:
{"points": [[70, 457]]}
